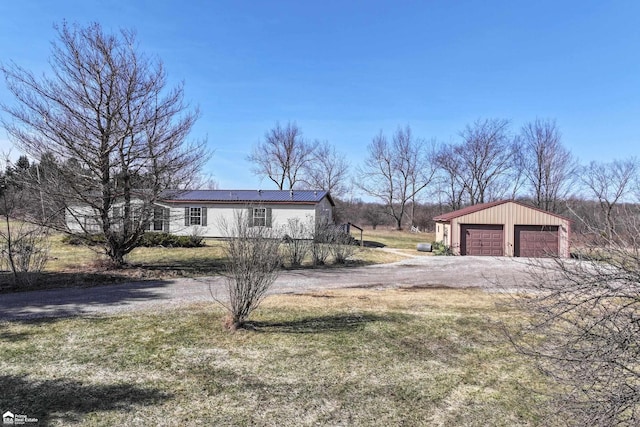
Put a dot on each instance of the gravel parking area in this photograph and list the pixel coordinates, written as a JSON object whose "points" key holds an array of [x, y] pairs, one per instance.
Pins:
{"points": [[487, 273]]}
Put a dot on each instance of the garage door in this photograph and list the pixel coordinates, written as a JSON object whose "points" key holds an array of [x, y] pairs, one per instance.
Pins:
{"points": [[483, 240], [536, 240]]}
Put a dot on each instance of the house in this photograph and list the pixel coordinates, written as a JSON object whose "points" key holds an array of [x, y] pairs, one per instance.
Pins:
{"points": [[203, 212], [504, 228]]}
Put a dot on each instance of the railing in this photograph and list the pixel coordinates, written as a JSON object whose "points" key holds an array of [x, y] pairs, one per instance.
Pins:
{"points": [[347, 229]]}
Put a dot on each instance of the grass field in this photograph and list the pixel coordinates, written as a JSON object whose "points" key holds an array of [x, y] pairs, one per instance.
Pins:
{"points": [[207, 259], [352, 357], [72, 266], [397, 239], [356, 357]]}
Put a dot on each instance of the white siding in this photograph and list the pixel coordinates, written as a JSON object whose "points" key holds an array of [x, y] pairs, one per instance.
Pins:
{"points": [[219, 214], [80, 219], [216, 215]]}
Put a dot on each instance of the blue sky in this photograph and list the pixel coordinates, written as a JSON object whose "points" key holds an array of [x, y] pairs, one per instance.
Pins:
{"points": [[344, 70]]}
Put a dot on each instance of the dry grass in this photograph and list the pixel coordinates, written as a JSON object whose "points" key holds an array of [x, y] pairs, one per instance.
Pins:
{"points": [[396, 239], [348, 357]]}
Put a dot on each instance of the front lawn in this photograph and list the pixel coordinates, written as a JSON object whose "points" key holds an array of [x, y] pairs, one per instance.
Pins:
{"points": [[345, 357]]}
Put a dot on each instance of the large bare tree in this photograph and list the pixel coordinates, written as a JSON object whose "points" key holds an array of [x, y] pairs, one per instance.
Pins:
{"points": [[328, 170], [118, 132], [485, 161], [396, 172], [450, 179], [282, 156], [611, 184], [547, 166]]}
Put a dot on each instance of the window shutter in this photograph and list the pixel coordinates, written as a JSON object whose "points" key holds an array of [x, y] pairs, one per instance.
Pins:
{"points": [[250, 217], [204, 216], [268, 219], [165, 220], [186, 217]]}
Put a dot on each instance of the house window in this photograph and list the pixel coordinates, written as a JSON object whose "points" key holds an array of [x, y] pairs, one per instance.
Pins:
{"points": [[136, 216], [259, 217], [158, 214], [195, 216]]}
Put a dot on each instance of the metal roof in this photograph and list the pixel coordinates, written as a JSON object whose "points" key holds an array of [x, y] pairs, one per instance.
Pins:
{"points": [[479, 207], [249, 196]]}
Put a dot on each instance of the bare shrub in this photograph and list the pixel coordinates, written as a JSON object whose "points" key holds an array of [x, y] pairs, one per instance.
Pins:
{"points": [[24, 249], [253, 263], [342, 246], [320, 249], [330, 239], [297, 241], [584, 327]]}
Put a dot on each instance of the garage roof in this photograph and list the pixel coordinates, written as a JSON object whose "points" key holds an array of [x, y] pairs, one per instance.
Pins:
{"points": [[482, 206]]}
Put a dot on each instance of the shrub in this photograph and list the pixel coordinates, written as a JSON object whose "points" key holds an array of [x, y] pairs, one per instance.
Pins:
{"points": [[296, 241], [253, 264], [83, 239], [152, 239], [147, 240], [439, 248]]}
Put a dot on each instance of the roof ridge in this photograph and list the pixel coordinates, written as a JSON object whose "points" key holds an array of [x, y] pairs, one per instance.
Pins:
{"points": [[481, 206]]}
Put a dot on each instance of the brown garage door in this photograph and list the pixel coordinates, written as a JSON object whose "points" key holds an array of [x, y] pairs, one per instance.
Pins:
{"points": [[536, 240], [484, 240]]}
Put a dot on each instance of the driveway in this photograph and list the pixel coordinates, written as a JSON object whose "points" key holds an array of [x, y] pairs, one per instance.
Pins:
{"points": [[488, 273]]}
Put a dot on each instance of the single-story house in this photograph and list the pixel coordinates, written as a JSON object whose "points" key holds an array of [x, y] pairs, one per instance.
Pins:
{"points": [[504, 228], [203, 212]]}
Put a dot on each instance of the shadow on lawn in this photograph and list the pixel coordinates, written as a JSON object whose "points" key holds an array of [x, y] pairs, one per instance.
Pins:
{"points": [[56, 280], [66, 400], [321, 324], [43, 305], [187, 267]]}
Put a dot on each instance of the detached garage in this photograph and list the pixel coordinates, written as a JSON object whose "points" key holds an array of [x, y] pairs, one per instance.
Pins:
{"points": [[504, 228]]}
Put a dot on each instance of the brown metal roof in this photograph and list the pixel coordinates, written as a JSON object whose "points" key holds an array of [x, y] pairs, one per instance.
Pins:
{"points": [[482, 206]]}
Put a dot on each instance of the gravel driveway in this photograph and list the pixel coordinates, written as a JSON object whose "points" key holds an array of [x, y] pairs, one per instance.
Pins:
{"points": [[487, 273]]}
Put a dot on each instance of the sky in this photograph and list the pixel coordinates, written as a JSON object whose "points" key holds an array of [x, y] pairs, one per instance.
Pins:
{"points": [[346, 70]]}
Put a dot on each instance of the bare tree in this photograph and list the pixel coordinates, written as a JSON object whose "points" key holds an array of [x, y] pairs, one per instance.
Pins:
{"points": [[395, 173], [583, 327], [548, 167], [486, 159], [327, 171], [282, 156], [117, 131], [253, 264], [450, 178], [610, 184]]}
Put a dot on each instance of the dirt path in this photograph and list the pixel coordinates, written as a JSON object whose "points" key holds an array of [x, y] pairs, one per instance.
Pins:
{"points": [[487, 273]]}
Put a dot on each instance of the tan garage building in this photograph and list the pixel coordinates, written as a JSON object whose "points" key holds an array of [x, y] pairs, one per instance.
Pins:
{"points": [[504, 228]]}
